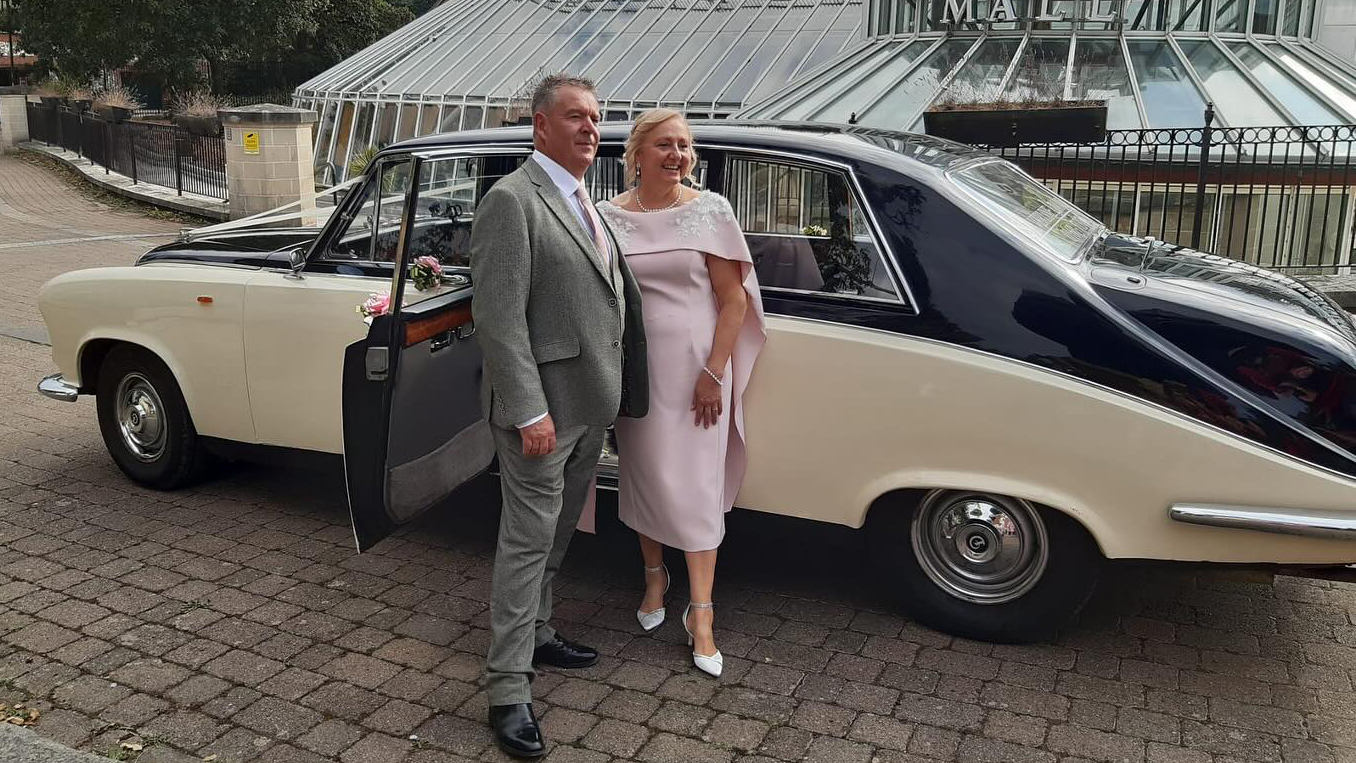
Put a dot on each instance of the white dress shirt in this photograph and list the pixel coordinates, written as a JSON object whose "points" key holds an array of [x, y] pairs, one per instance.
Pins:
{"points": [[568, 185]]}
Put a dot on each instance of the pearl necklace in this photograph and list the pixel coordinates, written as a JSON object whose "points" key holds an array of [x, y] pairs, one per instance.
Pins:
{"points": [[676, 199]]}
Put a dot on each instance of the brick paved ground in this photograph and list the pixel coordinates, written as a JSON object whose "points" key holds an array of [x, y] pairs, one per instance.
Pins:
{"points": [[234, 620]]}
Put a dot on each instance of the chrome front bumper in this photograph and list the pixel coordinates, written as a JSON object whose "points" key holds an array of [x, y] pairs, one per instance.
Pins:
{"points": [[58, 388], [1313, 523]]}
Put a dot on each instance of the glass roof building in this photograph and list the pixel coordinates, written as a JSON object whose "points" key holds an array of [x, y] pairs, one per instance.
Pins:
{"points": [[471, 63], [1155, 62]]}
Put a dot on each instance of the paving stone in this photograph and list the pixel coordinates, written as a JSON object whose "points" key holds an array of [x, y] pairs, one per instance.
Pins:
{"points": [[681, 718], [197, 689], [944, 713], [976, 749], [150, 675], [1095, 745], [786, 743], [1149, 725], [1023, 730], [135, 710], [278, 718], [457, 735], [1226, 741], [397, 717], [330, 737], [834, 750], [1271, 720], [376, 748], [631, 706], [1025, 701], [667, 748], [185, 729], [932, 742], [89, 694], [292, 684], [616, 737]]}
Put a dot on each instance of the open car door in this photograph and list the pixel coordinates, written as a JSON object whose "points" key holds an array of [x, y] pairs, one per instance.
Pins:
{"points": [[413, 431]]}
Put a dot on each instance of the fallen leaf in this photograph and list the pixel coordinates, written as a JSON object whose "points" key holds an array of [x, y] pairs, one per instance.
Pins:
{"points": [[210, 758], [133, 746]]}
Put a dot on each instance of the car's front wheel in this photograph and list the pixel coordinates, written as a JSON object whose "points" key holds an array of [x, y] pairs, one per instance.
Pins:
{"points": [[985, 566], [145, 422]]}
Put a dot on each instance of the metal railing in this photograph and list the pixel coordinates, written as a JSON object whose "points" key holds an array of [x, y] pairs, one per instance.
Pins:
{"points": [[156, 154], [1278, 197]]}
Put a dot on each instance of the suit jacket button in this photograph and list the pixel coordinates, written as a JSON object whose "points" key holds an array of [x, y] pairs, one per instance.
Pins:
{"points": [[612, 302], [616, 343]]}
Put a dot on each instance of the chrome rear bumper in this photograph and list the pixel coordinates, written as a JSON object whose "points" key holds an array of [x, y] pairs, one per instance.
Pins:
{"points": [[1313, 523], [58, 388]]}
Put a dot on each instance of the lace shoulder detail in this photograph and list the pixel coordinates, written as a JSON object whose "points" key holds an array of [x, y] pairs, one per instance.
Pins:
{"points": [[703, 214], [622, 226]]}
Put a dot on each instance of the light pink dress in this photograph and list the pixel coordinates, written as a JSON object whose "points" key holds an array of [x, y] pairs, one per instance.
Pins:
{"points": [[678, 479]]}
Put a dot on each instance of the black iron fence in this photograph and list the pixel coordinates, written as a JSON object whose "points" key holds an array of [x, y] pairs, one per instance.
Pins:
{"points": [[157, 154], [1279, 197]]}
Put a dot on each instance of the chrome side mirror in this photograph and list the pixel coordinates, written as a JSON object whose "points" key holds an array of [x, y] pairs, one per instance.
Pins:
{"points": [[296, 260]]}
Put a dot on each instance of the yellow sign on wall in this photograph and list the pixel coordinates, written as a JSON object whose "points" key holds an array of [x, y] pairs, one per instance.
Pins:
{"points": [[251, 142]]}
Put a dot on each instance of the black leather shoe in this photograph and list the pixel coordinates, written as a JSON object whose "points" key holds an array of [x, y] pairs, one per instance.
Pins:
{"points": [[516, 731], [564, 654]]}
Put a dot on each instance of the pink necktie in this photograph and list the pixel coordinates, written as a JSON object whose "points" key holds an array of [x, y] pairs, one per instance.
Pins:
{"points": [[595, 226]]}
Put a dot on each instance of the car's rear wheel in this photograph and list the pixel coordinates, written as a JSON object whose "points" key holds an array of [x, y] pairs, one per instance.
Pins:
{"points": [[985, 566], [145, 422]]}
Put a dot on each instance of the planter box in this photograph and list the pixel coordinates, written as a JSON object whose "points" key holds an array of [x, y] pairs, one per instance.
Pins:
{"points": [[206, 127], [114, 114], [1012, 127]]}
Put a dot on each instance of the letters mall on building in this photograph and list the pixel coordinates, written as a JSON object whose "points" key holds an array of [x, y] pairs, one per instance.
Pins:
{"points": [[882, 63]]}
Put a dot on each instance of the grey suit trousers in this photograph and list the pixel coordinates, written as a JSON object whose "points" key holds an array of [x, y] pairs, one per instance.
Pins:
{"points": [[543, 498]]}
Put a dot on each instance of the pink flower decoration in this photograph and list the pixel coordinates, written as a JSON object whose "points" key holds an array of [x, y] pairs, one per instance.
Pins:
{"points": [[429, 262], [374, 305]]}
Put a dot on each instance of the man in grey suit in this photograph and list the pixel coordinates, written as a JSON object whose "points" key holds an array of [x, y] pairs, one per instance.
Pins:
{"points": [[557, 315]]}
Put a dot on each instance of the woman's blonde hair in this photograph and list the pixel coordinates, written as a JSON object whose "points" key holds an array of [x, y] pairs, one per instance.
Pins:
{"points": [[645, 124]]}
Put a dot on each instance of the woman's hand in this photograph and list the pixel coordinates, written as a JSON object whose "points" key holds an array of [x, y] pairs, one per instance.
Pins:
{"points": [[706, 401]]}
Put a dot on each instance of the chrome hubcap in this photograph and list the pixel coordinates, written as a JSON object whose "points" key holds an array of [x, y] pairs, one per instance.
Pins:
{"points": [[984, 549], [139, 417]]}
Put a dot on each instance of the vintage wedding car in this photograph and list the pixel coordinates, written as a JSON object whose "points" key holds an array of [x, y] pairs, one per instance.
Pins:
{"points": [[1001, 391]]}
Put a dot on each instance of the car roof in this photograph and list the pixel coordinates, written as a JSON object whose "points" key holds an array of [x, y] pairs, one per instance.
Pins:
{"points": [[911, 153]]}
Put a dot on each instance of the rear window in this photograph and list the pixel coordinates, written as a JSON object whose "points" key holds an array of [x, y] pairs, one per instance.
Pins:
{"points": [[1065, 230]]}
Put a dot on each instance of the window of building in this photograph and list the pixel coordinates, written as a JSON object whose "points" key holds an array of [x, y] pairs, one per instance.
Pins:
{"points": [[806, 230]]}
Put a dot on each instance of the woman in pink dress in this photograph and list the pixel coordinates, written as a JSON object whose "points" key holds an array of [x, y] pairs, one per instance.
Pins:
{"points": [[683, 463]]}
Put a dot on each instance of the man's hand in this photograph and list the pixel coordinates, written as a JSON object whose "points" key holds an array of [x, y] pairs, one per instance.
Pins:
{"points": [[539, 439]]}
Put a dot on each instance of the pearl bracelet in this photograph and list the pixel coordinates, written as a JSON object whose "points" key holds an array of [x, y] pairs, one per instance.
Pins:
{"points": [[713, 376]]}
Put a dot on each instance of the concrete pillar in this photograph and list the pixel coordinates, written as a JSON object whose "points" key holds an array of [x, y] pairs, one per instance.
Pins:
{"points": [[13, 116], [268, 158]]}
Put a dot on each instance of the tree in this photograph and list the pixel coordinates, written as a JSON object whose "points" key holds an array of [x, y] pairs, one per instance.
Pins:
{"points": [[79, 38]]}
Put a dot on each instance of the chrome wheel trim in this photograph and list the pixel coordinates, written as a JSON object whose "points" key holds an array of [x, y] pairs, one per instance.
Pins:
{"points": [[980, 548], [140, 415]]}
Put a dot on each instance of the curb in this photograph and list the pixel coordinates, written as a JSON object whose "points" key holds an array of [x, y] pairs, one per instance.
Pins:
{"points": [[190, 203], [21, 745]]}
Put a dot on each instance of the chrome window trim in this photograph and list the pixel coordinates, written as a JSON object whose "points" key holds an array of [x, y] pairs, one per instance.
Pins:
{"points": [[1079, 380], [835, 295], [892, 265]]}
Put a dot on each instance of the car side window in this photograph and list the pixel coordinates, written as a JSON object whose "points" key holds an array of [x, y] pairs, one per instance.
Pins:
{"points": [[372, 233], [449, 190], [806, 230]]}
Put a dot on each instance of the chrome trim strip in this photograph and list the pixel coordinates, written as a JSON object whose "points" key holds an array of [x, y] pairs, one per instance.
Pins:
{"points": [[58, 388], [1310, 523]]}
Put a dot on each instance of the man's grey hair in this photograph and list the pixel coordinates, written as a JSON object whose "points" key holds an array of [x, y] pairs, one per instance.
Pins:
{"points": [[544, 94]]}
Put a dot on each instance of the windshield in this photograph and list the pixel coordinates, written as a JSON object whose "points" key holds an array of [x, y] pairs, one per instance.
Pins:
{"points": [[1029, 206]]}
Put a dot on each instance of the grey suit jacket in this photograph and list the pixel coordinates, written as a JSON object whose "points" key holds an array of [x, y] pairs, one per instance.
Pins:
{"points": [[558, 330]]}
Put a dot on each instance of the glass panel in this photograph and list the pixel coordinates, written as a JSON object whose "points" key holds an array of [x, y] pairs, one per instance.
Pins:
{"points": [[387, 123], [687, 56], [1264, 17], [1099, 73], [340, 156], [905, 16], [428, 119], [781, 70], [1290, 22], [1041, 71], [1316, 80], [1242, 105], [1230, 16], [373, 232], [409, 120], [885, 8], [809, 100], [325, 133], [755, 68], [918, 89], [1029, 206], [451, 119], [889, 70], [805, 230], [363, 126], [829, 47], [1190, 15], [979, 81], [1169, 97], [472, 118], [449, 191], [495, 116], [737, 47], [1298, 101], [511, 28]]}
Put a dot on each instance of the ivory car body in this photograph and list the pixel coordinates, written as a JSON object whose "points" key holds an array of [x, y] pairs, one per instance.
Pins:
{"points": [[1001, 391]]}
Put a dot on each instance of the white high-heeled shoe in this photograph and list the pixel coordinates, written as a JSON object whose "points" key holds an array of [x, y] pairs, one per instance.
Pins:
{"points": [[710, 664], [651, 620]]}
